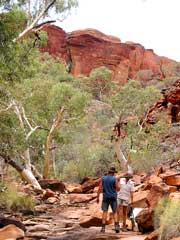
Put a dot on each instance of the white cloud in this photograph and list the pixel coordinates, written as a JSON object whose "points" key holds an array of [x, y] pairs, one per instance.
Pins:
{"points": [[152, 23]]}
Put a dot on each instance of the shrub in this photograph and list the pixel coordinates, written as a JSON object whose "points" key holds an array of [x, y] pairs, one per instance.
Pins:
{"points": [[167, 219], [144, 75], [134, 100], [10, 199], [143, 147], [92, 161], [100, 82]]}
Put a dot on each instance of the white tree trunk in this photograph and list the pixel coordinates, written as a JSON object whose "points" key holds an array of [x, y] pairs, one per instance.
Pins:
{"points": [[27, 159], [54, 126], [121, 157], [35, 21], [29, 177], [26, 173], [35, 172], [54, 161]]}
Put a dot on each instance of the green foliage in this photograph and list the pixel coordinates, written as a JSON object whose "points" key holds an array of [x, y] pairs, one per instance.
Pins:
{"points": [[65, 5], [11, 23], [42, 96], [17, 59], [98, 83], [171, 69], [134, 100], [38, 85], [31, 81], [167, 218], [60, 6], [143, 147], [34, 86], [12, 136], [63, 94], [86, 160], [144, 75], [11, 199], [166, 83], [89, 149]]}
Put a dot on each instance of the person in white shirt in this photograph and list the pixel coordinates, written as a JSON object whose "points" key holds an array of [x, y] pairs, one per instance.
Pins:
{"points": [[125, 196]]}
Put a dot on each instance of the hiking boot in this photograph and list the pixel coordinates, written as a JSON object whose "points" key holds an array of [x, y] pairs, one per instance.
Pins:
{"points": [[103, 228], [116, 225]]}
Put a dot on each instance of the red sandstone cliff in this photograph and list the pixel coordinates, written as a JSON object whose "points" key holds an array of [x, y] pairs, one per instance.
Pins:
{"points": [[169, 101], [87, 49], [56, 42]]}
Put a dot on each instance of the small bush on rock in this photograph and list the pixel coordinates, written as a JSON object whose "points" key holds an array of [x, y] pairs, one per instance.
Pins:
{"points": [[167, 219], [11, 199]]}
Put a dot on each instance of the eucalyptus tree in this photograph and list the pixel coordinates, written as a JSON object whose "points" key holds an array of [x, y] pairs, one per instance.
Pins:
{"points": [[19, 61], [39, 10], [141, 143]]}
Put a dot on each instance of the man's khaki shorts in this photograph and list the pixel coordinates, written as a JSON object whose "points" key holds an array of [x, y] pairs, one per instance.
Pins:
{"points": [[122, 202]]}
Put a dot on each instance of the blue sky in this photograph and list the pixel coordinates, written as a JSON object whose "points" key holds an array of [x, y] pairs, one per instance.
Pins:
{"points": [[152, 23]]}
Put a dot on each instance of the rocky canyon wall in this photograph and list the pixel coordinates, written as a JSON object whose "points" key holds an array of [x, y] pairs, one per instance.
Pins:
{"points": [[84, 50]]}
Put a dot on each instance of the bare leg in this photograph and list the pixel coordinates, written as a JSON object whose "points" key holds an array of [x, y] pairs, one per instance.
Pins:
{"points": [[124, 216], [115, 216], [116, 222], [118, 213], [104, 217]]}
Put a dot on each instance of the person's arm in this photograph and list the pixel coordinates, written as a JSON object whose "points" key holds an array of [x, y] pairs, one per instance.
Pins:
{"points": [[117, 184], [99, 190], [131, 193]]}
